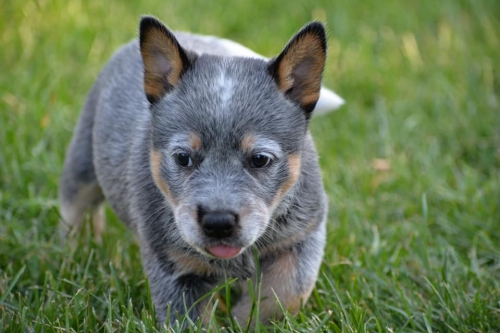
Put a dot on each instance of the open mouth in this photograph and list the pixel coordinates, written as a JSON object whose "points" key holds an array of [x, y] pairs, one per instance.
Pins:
{"points": [[223, 251]]}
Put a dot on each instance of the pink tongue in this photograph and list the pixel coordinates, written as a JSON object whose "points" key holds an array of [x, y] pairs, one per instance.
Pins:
{"points": [[224, 251]]}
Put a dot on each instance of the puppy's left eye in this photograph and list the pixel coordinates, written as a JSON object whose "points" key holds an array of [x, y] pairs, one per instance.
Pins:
{"points": [[260, 161], [183, 159]]}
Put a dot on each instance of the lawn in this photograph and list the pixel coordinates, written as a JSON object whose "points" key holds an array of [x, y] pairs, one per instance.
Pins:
{"points": [[411, 162]]}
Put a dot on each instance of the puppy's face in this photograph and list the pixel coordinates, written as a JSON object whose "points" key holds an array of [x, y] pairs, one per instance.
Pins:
{"points": [[227, 133], [226, 153]]}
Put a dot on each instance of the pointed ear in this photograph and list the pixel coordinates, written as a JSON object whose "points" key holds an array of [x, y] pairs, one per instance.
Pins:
{"points": [[298, 69], [164, 59]]}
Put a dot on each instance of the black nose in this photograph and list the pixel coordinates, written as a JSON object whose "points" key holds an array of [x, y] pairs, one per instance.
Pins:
{"points": [[218, 224]]}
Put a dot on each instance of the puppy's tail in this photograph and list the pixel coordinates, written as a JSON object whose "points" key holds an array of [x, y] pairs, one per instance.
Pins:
{"points": [[328, 101]]}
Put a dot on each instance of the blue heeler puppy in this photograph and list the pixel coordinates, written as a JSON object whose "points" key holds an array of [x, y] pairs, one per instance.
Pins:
{"points": [[207, 157]]}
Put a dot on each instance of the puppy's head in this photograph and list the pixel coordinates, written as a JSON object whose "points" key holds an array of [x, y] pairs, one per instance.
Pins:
{"points": [[227, 133]]}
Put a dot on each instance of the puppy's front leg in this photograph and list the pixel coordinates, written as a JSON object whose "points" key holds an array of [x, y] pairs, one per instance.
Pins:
{"points": [[290, 276], [179, 290]]}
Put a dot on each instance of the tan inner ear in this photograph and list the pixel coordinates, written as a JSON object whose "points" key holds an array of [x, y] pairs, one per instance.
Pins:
{"points": [[162, 62], [305, 54]]}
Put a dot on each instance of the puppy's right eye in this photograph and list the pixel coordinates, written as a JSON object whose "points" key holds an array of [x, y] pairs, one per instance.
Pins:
{"points": [[183, 159]]}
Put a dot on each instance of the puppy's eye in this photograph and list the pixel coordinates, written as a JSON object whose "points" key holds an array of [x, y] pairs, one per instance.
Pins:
{"points": [[183, 159], [260, 161]]}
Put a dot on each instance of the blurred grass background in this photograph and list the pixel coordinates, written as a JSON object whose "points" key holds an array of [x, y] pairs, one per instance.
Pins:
{"points": [[411, 163]]}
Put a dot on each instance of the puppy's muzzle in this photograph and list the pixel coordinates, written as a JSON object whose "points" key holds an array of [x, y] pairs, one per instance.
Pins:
{"points": [[218, 224]]}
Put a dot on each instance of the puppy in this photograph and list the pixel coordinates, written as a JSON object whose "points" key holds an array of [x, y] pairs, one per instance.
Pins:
{"points": [[207, 157]]}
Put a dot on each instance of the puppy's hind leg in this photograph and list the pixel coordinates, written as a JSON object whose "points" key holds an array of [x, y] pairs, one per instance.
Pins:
{"points": [[76, 199], [79, 193], [79, 190], [98, 222]]}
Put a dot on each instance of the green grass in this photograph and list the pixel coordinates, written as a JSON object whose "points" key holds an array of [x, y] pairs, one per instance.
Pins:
{"points": [[411, 163]]}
